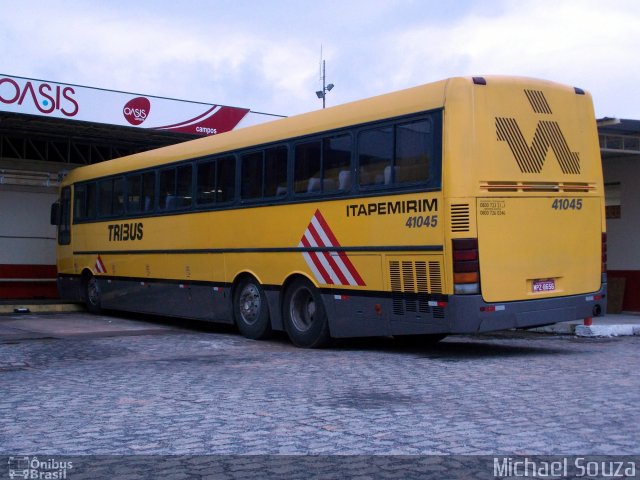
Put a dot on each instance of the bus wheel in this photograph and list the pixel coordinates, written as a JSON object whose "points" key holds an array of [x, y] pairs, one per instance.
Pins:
{"points": [[305, 318], [92, 296], [250, 309]]}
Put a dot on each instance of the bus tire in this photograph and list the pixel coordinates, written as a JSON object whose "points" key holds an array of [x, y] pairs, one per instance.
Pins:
{"points": [[305, 318], [250, 309], [92, 294]]}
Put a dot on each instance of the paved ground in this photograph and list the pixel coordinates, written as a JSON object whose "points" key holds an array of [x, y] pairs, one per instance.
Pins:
{"points": [[117, 386]]}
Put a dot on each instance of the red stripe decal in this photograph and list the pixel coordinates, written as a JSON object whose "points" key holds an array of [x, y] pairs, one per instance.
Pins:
{"points": [[326, 278], [327, 255]]}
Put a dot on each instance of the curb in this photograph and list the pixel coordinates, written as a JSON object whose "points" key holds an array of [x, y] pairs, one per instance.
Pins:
{"points": [[41, 308], [606, 330]]}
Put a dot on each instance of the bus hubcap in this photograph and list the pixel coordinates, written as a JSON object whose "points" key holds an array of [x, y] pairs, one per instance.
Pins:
{"points": [[93, 293], [250, 303], [303, 309]]}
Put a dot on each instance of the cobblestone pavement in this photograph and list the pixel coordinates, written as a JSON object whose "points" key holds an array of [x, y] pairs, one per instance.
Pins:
{"points": [[210, 391]]}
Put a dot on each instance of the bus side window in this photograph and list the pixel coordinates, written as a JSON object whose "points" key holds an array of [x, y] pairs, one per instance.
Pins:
{"points": [[118, 196], [167, 189], [134, 199], [92, 201], [306, 170], [413, 149], [226, 179], [206, 183], [148, 191], [336, 161], [79, 202], [184, 190], [375, 154], [105, 191], [216, 180], [251, 169], [275, 171]]}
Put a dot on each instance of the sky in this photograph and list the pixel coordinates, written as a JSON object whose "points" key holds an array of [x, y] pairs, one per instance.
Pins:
{"points": [[265, 54]]}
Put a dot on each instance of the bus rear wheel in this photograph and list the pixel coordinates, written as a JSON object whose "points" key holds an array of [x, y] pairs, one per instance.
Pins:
{"points": [[305, 318], [251, 310], [92, 294]]}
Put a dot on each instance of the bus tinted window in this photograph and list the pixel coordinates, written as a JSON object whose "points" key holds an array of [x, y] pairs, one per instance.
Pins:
{"points": [[80, 202], [375, 155], [184, 186], [175, 188], [118, 196], [134, 193], [111, 194], [206, 183], [168, 189], [148, 191], [252, 169], [226, 179], [90, 212], [306, 170], [105, 190], [275, 171], [414, 147], [396, 154], [336, 163], [216, 181], [141, 192]]}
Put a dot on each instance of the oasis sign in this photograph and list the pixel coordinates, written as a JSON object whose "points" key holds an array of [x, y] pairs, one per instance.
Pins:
{"points": [[39, 97], [43, 96]]}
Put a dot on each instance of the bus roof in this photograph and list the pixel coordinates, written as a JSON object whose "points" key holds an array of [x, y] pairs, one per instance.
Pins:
{"points": [[403, 102]]}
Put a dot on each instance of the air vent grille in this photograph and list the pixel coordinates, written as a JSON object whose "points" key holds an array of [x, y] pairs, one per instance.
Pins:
{"points": [[413, 285], [510, 186], [460, 217]]}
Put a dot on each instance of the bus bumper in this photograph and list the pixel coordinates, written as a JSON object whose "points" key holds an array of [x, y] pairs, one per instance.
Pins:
{"points": [[470, 314]]}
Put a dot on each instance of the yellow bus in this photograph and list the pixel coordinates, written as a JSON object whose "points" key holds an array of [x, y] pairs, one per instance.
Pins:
{"points": [[461, 206]]}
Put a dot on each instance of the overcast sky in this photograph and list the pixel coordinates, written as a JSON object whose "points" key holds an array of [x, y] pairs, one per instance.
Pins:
{"points": [[265, 54]]}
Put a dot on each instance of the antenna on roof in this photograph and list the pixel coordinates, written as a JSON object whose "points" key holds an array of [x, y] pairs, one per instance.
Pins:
{"points": [[325, 88]]}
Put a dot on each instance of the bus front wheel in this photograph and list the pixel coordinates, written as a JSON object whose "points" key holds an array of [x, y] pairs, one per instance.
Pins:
{"points": [[305, 318], [251, 310], [92, 295]]}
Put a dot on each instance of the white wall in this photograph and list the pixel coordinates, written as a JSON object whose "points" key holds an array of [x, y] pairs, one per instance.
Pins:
{"points": [[623, 234], [26, 237]]}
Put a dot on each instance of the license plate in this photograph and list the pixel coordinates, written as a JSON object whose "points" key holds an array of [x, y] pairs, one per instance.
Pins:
{"points": [[544, 285]]}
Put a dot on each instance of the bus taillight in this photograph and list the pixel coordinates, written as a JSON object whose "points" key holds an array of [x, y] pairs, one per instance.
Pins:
{"points": [[466, 266]]}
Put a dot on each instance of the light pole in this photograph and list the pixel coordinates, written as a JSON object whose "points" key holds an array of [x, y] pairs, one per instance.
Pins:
{"points": [[325, 88]]}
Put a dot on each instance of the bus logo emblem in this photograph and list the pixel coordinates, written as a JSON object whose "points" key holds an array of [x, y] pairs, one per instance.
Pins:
{"points": [[329, 267], [531, 157]]}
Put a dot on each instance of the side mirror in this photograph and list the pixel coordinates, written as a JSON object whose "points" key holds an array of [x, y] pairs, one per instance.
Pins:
{"points": [[55, 213]]}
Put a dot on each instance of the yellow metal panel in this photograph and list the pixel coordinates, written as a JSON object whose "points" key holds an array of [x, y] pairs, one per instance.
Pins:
{"points": [[527, 239], [263, 241]]}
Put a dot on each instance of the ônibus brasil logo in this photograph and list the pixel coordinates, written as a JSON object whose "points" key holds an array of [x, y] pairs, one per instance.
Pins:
{"points": [[137, 110]]}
